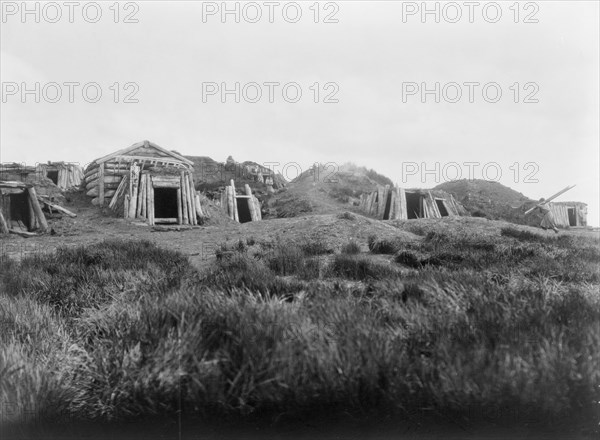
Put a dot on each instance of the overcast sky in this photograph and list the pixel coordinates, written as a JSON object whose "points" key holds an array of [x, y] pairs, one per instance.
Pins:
{"points": [[374, 61]]}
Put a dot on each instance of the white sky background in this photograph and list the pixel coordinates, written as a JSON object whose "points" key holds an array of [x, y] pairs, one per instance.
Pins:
{"points": [[369, 53]]}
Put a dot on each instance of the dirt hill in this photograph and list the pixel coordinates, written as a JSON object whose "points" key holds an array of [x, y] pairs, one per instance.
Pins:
{"points": [[325, 189], [483, 198]]}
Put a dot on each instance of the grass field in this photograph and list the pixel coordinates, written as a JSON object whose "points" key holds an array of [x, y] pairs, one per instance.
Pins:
{"points": [[492, 327]]}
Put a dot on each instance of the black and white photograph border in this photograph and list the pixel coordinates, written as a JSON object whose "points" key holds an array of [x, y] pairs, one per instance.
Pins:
{"points": [[299, 219]]}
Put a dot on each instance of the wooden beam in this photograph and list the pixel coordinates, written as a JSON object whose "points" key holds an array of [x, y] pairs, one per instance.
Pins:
{"points": [[3, 224], [140, 197], [402, 209], [57, 207], [134, 179], [37, 209], [230, 202], [393, 205], [190, 201], [236, 216], [184, 196], [250, 202], [118, 193], [144, 183], [150, 200], [179, 208], [165, 220], [32, 219], [436, 210], [23, 233]]}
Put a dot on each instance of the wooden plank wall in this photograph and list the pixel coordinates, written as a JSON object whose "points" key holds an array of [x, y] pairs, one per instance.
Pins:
{"points": [[69, 175], [129, 189], [561, 214], [374, 204]]}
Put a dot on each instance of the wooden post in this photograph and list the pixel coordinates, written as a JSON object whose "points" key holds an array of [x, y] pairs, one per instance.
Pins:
{"points": [[402, 208], [140, 198], [236, 216], [184, 200], [179, 214], [436, 210], [101, 184], [393, 205], [230, 203], [3, 224], [150, 200], [37, 209], [382, 198], [134, 176], [32, 219], [190, 201], [257, 208], [373, 203], [380, 201], [144, 212], [250, 202], [118, 193]]}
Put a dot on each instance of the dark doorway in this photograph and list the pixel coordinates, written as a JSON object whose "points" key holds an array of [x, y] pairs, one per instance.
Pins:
{"points": [[572, 216], [243, 210], [165, 204], [441, 207], [53, 175], [388, 206], [414, 205], [19, 210]]}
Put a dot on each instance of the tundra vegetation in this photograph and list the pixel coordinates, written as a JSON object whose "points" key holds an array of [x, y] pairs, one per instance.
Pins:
{"points": [[457, 325]]}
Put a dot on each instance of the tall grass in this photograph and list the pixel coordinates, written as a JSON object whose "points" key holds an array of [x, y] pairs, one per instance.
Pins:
{"points": [[256, 336]]}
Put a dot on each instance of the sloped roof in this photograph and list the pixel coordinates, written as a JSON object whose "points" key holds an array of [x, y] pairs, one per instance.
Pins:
{"points": [[145, 145]]}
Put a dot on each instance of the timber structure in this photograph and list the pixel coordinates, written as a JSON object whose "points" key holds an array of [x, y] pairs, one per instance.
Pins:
{"points": [[395, 203], [146, 182], [241, 207]]}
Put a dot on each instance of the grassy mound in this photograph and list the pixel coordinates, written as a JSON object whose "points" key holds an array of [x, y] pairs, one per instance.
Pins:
{"points": [[483, 198]]}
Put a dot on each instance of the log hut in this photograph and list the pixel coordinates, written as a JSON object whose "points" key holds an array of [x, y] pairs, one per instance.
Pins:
{"points": [[395, 203], [66, 176], [20, 210], [17, 172], [243, 207], [147, 182], [569, 214]]}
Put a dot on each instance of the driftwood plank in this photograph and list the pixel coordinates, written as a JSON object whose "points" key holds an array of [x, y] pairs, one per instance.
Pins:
{"points": [[179, 207], [22, 233], [37, 209], [3, 224], [118, 193], [236, 215], [150, 200], [140, 197], [184, 206], [134, 180], [57, 208]]}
